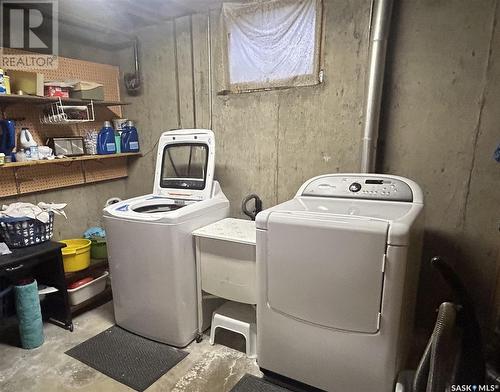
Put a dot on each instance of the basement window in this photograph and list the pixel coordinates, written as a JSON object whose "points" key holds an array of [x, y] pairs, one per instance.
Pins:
{"points": [[271, 44]]}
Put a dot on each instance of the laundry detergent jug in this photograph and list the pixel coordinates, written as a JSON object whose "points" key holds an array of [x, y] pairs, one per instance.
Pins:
{"points": [[130, 138], [3, 87], [7, 136], [26, 139], [106, 139]]}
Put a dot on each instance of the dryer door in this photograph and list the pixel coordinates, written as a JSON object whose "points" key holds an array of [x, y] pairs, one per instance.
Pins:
{"points": [[326, 270]]}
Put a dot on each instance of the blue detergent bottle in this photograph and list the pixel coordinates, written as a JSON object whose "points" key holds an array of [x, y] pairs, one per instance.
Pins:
{"points": [[130, 138], [106, 140]]}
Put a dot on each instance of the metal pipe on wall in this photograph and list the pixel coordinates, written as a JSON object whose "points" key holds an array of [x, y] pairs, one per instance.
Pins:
{"points": [[193, 77], [177, 86], [379, 32], [209, 49]]}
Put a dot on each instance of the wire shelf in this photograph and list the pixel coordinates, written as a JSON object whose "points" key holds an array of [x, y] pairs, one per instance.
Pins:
{"points": [[59, 114]]}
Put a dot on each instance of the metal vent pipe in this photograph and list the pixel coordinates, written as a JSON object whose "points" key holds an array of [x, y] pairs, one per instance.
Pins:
{"points": [[379, 32]]}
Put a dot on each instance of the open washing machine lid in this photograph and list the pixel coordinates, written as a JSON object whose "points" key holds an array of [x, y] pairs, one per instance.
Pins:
{"points": [[185, 164]]}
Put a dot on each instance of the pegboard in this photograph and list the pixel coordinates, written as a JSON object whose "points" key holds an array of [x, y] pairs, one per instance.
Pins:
{"points": [[18, 180], [72, 69], [43, 177], [36, 178], [69, 69], [106, 169], [7, 183]]}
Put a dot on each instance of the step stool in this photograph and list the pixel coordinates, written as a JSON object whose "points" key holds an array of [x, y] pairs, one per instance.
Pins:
{"points": [[239, 318]]}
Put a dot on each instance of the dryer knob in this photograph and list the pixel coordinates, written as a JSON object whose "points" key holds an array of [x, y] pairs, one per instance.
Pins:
{"points": [[355, 187]]}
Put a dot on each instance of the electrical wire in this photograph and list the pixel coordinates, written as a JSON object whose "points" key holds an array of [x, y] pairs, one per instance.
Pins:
{"points": [[190, 158], [152, 148], [172, 163]]}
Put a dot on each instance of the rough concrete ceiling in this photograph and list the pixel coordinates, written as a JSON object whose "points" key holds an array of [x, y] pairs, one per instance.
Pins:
{"points": [[113, 22]]}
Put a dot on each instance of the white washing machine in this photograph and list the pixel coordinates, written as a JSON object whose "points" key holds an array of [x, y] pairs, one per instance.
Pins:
{"points": [[150, 247], [337, 271]]}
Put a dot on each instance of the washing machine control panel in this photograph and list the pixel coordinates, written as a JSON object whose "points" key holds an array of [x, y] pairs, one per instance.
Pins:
{"points": [[360, 187]]}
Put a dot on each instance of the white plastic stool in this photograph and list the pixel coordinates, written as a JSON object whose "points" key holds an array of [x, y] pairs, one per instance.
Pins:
{"points": [[239, 318]]}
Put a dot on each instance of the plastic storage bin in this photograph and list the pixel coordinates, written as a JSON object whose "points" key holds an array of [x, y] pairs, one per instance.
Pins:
{"points": [[76, 254], [88, 290]]}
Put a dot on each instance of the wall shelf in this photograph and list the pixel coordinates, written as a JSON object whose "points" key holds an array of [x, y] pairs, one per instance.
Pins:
{"points": [[69, 159], [13, 99], [20, 178]]}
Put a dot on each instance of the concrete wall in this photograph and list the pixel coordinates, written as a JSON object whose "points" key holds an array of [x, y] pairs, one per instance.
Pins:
{"points": [[438, 126], [267, 142], [155, 110], [84, 202]]}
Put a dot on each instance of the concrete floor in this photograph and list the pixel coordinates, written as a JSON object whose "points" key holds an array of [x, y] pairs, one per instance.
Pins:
{"points": [[207, 368]]}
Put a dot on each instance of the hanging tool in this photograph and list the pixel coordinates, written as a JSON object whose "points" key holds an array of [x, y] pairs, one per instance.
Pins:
{"points": [[133, 80], [257, 205]]}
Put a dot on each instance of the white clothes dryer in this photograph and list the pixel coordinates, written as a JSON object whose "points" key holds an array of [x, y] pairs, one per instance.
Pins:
{"points": [[337, 271]]}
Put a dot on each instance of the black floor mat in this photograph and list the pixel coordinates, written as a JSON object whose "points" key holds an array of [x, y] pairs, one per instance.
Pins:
{"points": [[130, 359], [249, 383]]}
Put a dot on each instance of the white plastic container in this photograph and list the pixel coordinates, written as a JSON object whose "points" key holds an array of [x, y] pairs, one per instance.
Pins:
{"points": [[88, 290]]}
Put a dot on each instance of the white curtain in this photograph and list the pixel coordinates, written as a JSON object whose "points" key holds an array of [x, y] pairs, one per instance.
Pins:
{"points": [[272, 43]]}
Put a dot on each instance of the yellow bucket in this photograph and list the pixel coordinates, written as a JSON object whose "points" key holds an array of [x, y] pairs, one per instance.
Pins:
{"points": [[76, 254]]}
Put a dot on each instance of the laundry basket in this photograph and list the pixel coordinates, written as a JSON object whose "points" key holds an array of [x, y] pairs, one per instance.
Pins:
{"points": [[21, 232]]}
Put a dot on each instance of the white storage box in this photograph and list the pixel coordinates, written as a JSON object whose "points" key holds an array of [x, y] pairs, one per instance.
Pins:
{"points": [[226, 253], [88, 290]]}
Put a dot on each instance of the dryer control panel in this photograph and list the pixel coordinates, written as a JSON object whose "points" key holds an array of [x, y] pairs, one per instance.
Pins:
{"points": [[359, 187]]}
